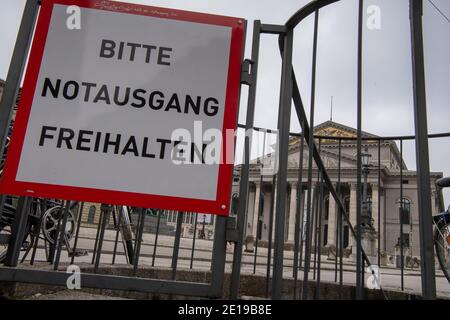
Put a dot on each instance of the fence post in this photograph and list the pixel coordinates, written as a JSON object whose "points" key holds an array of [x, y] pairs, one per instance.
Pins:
{"points": [[422, 154]]}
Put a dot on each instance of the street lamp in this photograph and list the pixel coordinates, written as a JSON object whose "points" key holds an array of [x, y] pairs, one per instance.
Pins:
{"points": [[365, 217]]}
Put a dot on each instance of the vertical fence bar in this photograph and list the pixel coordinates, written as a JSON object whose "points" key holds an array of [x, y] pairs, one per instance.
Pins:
{"points": [[315, 226], [359, 266], [402, 267], [176, 245], [298, 240], [284, 121], [100, 219], [310, 159], [118, 221], [422, 152], [155, 244], [139, 236], [77, 232], [319, 236], [260, 206], [341, 224], [379, 204], [62, 234], [269, 249], [338, 229], [58, 230], [316, 219], [105, 209], [43, 208], [193, 242], [243, 185]]}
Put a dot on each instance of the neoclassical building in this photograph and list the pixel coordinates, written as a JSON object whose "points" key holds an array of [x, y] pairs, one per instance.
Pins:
{"points": [[258, 212]]}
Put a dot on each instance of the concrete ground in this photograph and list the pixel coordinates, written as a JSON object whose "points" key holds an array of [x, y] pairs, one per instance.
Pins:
{"points": [[390, 277]]}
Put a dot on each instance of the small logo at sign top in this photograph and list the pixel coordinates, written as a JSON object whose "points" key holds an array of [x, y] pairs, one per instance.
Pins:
{"points": [[73, 21]]}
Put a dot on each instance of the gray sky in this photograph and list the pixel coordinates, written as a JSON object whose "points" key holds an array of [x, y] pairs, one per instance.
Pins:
{"points": [[387, 97]]}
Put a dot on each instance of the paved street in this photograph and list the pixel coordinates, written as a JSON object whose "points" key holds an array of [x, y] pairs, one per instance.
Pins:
{"points": [[390, 277]]}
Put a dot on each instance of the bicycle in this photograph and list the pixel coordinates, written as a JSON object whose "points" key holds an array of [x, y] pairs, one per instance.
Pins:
{"points": [[442, 233]]}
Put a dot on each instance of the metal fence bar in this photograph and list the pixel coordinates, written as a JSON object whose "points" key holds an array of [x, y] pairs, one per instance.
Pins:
{"points": [[106, 210], [284, 119], [337, 214], [310, 156], [193, 242], [139, 239], [315, 225], [155, 244], [100, 219], [77, 232], [61, 234], [422, 153], [298, 238], [218, 256], [319, 236], [260, 206], [341, 222], [359, 266], [379, 204], [243, 185], [43, 208], [269, 249], [402, 265], [176, 245], [404, 138], [118, 221]]}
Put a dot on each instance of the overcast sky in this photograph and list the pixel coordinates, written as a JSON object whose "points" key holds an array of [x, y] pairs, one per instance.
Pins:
{"points": [[387, 97]]}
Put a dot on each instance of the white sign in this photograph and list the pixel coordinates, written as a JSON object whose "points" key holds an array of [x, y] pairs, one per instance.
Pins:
{"points": [[104, 100]]}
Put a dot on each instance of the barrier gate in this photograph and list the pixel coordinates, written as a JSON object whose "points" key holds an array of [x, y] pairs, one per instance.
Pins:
{"points": [[231, 229]]}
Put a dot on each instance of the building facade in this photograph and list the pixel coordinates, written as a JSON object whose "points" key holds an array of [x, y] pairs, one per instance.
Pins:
{"points": [[383, 190]]}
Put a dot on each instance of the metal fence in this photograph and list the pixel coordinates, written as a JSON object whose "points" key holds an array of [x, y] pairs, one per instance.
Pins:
{"points": [[313, 187]]}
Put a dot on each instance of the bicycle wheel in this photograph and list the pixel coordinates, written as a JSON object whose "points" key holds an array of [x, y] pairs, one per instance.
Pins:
{"points": [[6, 222], [442, 245]]}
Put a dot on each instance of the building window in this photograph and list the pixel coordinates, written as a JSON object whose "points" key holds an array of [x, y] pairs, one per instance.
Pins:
{"points": [[406, 239], [235, 204], [347, 204], [91, 215], [327, 208], [325, 234], [405, 211]]}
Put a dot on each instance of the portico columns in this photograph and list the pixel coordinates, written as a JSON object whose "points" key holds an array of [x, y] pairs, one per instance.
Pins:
{"points": [[375, 205], [256, 209], [331, 220], [292, 210], [353, 205]]}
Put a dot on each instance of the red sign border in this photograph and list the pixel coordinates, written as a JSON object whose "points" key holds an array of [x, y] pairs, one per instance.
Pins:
{"points": [[220, 206]]}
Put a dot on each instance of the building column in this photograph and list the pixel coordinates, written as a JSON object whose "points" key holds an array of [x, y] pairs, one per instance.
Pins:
{"points": [[375, 206], [353, 208], [331, 220], [292, 210], [256, 209]]}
